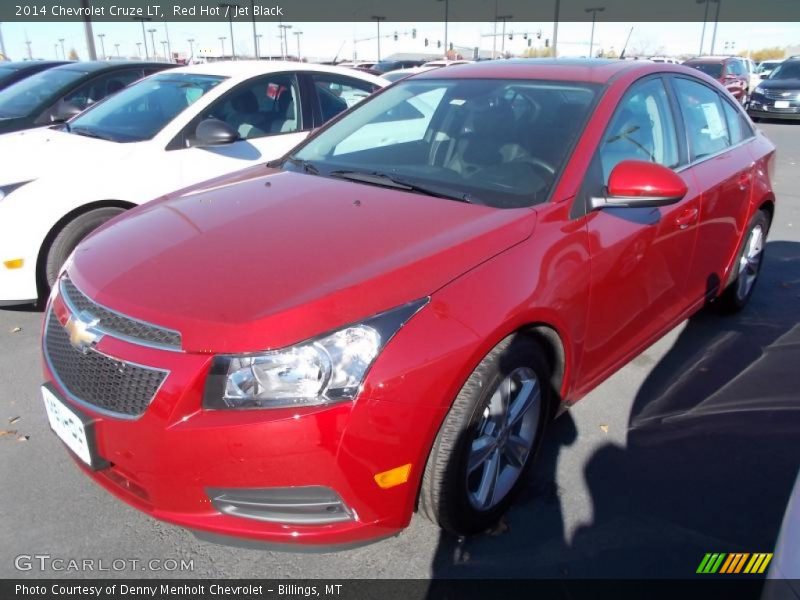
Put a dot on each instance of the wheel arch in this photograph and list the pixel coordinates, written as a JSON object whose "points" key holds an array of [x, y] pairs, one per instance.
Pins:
{"points": [[60, 224], [552, 343]]}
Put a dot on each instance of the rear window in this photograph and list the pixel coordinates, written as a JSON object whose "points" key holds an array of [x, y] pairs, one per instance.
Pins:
{"points": [[711, 69], [21, 99]]}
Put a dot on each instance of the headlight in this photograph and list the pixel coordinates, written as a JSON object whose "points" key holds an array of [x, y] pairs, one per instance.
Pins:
{"points": [[5, 190], [759, 90], [327, 369]]}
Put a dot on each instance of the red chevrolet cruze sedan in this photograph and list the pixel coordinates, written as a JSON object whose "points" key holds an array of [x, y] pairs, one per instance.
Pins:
{"points": [[386, 320]]}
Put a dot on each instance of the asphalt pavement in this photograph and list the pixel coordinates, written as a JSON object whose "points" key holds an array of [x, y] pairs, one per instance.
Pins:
{"points": [[691, 448]]}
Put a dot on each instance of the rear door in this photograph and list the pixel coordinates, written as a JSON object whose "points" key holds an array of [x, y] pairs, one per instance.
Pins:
{"points": [[717, 134]]}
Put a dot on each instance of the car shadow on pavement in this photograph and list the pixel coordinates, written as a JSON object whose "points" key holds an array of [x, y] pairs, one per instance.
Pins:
{"points": [[708, 465]]}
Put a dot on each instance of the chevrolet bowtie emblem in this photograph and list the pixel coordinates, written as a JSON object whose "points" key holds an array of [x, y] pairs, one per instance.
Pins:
{"points": [[82, 330]]}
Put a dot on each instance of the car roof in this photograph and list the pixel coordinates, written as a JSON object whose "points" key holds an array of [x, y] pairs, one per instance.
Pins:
{"points": [[592, 70], [19, 65], [712, 59], [95, 66], [250, 68]]}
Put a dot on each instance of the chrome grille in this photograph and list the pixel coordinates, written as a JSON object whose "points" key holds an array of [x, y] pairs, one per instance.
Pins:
{"points": [[113, 386], [779, 94], [117, 325]]}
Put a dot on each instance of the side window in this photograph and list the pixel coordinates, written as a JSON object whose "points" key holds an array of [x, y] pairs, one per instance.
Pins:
{"points": [[737, 124], [98, 88], [641, 129], [263, 106], [337, 93], [705, 121]]}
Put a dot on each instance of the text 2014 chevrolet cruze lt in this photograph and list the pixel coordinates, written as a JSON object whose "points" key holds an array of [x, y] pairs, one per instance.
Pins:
{"points": [[387, 320]]}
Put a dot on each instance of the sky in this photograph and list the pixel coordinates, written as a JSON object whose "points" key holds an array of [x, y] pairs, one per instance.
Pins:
{"points": [[323, 41]]}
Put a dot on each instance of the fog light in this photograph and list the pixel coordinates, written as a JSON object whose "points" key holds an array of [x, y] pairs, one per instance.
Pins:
{"points": [[393, 477], [14, 263]]}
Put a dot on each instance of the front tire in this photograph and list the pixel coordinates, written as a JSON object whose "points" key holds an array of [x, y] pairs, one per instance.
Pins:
{"points": [[748, 265], [70, 236], [488, 439]]}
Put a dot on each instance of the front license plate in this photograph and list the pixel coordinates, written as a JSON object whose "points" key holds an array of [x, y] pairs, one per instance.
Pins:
{"points": [[781, 104], [70, 427]]}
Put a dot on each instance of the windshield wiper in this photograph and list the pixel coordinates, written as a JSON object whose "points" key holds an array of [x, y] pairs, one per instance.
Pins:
{"points": [[384, 180], [86, 132], [305, 165]]}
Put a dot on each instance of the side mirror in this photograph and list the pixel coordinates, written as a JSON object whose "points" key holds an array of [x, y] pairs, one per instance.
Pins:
{"points": [[213, 132], [64, 112], [763, 75], [637, 183]]}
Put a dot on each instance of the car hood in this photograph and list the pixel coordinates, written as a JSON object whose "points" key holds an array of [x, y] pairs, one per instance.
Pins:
{"points": [[32, 153], [265, 259], [780, 84]]}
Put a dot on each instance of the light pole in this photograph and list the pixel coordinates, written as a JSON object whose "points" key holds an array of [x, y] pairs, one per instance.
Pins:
{"points": [[102, 44], [222, 39], [231, 9], [169, 46], [139, 49], [2, 45], [298, 34], [164, 47], [555, 29], [504, 19], [378, 19], [117, 47], [144, 36], [87, 29], [284, 41], [258, 46], [152, 32], [63, 52], [446, 10], [594, 12], [191, 48], [55, 48], [716, 22], [28, 44], [255, 33]]}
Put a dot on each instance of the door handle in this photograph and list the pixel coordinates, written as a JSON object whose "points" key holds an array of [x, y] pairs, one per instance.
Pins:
{"points": [[743, 181], [687, 217]]}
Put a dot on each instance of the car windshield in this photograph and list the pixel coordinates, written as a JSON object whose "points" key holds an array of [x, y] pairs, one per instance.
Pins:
{"points": [[496, 142], [5, 73], [21, 99], [140, 111], [786, 70], [712, 69], [396, 75]]}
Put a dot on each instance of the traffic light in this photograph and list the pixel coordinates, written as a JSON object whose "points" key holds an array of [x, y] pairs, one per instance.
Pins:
{"points": [[395, 36], [547, 43], [451, 45], [529, 43], [539, 34], [413, 34], [438, 43], [511, 36], [525, 36], [426, 42]]}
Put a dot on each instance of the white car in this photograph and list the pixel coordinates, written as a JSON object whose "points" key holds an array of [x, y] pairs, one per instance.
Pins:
{"points": [[166, 132]]}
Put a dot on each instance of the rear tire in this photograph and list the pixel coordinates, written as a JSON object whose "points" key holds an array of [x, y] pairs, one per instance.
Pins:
{"points": [[748, 265], [70, 236], [481, 453]]}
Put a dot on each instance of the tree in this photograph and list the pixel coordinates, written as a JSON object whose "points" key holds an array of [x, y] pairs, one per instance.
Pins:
{"points": [[537, 52], [765, 53], [73, 55]]}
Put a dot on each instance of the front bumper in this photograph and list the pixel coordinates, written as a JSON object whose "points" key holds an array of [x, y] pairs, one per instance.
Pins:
{"points": [[18, 286], [175, 457], [762, 107]]}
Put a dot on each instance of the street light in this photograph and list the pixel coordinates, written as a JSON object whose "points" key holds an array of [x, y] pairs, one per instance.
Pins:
{"points": [[139, 49], [55, 48], [164, 46], [102, 44], [716, 22], [152, 32], [222, 39], [191, 48], [504, 19], [231, 10], [378, 20], [298, 34], [258, 46], [594, 12], [284, 41], [144, 36], [63, 52], [117, 47], [446, 10]]}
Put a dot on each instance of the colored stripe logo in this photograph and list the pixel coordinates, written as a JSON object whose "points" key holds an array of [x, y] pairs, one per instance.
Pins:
{"points": [[733, 563]]}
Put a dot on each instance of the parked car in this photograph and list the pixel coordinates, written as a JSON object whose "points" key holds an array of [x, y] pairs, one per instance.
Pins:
{"points": [[385, 66], [305, 354], [778, 96], [766, 67], [165, 132], [12, 72], [357, 64], [730, 71], [446, 63], [60, 93]]}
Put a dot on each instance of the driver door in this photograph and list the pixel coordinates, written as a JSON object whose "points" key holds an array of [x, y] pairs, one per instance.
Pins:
{"points": [[640, 257]]}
